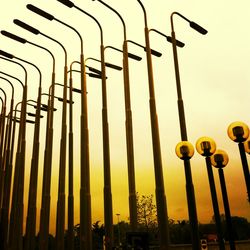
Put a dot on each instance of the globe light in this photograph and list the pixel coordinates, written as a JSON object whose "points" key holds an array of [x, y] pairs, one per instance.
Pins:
{"points": [[247, 146], [219, 159], [205, 146], [184, 150], [238, 131]]}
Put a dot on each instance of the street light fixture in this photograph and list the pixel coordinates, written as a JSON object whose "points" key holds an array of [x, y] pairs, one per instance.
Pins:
{"points": [[8, 174], [239, 132], [44, 224], [31, 215], [108, 214], [49, 128], [206, 146], [16, 218], [183, 130], [128, 124], [60, 217], [85, 201], [219, 160], [2, 135], [162, 214], [184, 150], [4, 173]]}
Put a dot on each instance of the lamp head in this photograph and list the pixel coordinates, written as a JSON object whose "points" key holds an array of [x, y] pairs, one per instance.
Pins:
{"points": [[247, 146], [198, 28], [12, 36], [178, 43], [67, 3], [8, 55], [238, 131], [95, 70], [40, 12], [76, 90], [60, 99], [112, 66], [184, 150], [205, 146], [219, 159], [26, 26], [95, 75]]}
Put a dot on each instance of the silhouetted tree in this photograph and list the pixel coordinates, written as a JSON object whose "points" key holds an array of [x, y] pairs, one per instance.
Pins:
{"points": [[98, 233], [146, 212]]}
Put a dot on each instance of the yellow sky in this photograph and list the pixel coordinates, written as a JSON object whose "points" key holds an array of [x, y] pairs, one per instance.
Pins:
{"points": [[215, 86]]}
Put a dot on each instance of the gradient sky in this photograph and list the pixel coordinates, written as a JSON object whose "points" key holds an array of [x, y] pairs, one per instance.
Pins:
{"points": [[215, 80]]}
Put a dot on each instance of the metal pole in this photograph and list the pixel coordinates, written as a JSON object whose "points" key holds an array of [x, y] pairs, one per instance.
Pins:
{"points": [[159, 182], [227, 209], [215, 203], [188, 174], [245, 167]]}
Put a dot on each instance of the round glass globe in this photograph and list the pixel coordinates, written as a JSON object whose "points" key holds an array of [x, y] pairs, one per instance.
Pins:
{"points": [[219, 159], [184, 150], [205, 146], [238, 131], [247, 146]]}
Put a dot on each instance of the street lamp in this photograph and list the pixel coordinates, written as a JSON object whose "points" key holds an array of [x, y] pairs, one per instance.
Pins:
{"points": [[162, 214], [2, 142], [129, 128], [4, 168], [85, 186], [60, 218], [44, 224], [183, 130], [239, 132], [219, 160], [2, 117], [184, 150], [206, 146], [49, 129], [108, 214], [31, 215], [2, 134], [8, 166], [17, 198]]}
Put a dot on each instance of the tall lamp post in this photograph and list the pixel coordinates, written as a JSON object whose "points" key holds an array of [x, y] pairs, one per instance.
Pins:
{"points": [[108, 210], [44, 218], [128, 125], [17, 198], [206, 146], [2, 135], [30, 224], [219, 160], [31, 215], [3, 113], [31, 218], [4, 212], [60, 217], [1, 120], [85, 187], [49, 128], [239, 132], [8, 169], [162, 214], [189, 183]]}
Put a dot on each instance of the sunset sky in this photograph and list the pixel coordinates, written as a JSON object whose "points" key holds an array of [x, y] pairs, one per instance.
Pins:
{"points": [[215, 78]]}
